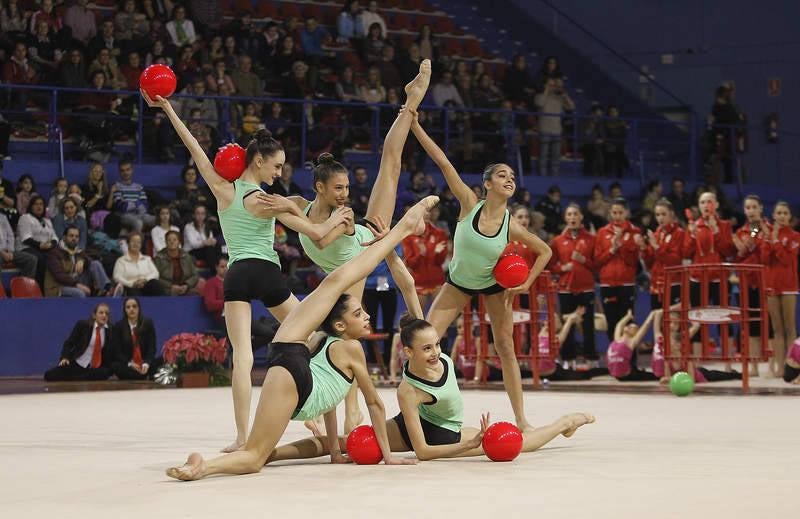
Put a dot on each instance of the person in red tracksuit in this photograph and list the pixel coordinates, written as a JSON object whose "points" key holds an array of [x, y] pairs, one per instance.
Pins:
{"points": [[616, 254], [708, 240], [664, 248], [424, 256], [752, 248], [783, 245], [573, 262]]}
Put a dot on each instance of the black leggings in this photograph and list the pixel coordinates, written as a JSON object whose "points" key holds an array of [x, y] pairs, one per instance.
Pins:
{"points": [[638, 375], [616, 303], [570, 374], [386, 300], [718, 376], [568, 303]]}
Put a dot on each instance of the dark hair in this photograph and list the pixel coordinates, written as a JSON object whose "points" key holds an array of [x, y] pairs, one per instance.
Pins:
{"points": [[620, 201], [176, 233], [488, 170], [185, 169], [67, 199], [754, 198], [663, 202], [69, 228], [97, 307], [336, 314], [517, 207], [785, 204], [223, 257], [131, 235], [262, 143], [409, 326], [28, 177], [327, 167], [207, 227], [553, 189], [138, 305], [615, 185], [124, 161], [573, 205], [33, 200]]}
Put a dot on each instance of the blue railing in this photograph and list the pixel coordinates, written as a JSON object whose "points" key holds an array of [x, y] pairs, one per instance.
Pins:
{"points": [[655, 148]]}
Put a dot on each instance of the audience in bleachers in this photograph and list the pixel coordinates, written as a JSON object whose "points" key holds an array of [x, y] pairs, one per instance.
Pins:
{"points": [[71, 273], [134, 272], [176, 269]]}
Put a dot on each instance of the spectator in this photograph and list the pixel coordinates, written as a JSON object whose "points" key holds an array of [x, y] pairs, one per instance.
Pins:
{"points": [[88, 352], [373, 44], [70, 272], [198, 237], [550, 207], [106, 64], [214, 52], [157, 53], [250, 120], [231, 52], [652, 195], [346, 88], [96, 190], [44, 52], [129, 199], [464, 86], [598, 207], [131, 25], [105, 40], [13, 20], [200, 130], [219, 79], [270, 45], [360, 191], [18, 70], [664, 248], [680, 199], [22, 260], [380, 294], [445, 91], [371, 17], [134, 338], [594, 131], [68, 216], [373, 91], [180, 29], [186, 67], [425, 255], [191, 194], [207, 107], [250, 41], [408, 64], [58, 194], [312, 38], [246, 82], [550, 70], [35, 235], [537, 227], [5, 136], [48, 15], [616, 158], [207, 14], [176, 269], [158, 234], [348, 24], [277, 123], [135, 273], [81, 21], [132, 70], [614, 190], [518, 85], [8, 199], [487, 95], [428, 44], [552, 103], [284, 185], [286, 57], [72, 73], [26, 190], [725, 133]]}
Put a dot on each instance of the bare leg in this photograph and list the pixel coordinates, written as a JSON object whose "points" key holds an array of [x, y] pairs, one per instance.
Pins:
{"points": [[501, 317], [308, 315], [779, 337], [238, 316], [275, 408], [788, 309], [282, 310], [384, 191], [447, 305]]}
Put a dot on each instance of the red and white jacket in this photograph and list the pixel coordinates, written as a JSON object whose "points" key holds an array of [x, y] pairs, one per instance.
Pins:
{"points": [[709, 247], [669, 238], [581, 277], [619, 268], [759, 253], [781, 261], [419, 254]]}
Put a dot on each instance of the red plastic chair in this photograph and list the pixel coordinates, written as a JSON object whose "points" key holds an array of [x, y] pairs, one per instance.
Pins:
{"points": [[25, 288], [2, 291]]}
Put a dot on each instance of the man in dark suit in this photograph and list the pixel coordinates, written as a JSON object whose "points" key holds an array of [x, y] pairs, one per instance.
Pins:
{"points": [[88, 351]]}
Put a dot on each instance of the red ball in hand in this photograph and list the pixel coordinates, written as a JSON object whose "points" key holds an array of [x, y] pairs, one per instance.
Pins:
{"points": [[502, 441], [511, 271], [230, 161], [363, 447], [158, 80]]}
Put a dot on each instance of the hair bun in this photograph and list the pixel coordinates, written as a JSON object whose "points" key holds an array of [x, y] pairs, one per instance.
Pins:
{"points": [[325, 158], [406, 319], [262, 135]]}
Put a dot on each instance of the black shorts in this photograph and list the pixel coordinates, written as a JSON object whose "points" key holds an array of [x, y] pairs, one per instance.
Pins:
{"points": [[494, 289], [296, 359], [253, 278], [434, 435], [789, 373]]}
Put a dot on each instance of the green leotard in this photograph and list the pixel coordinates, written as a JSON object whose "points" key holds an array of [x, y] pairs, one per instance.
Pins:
{"points": [[247, 236], [342, 250], [447, 409], [330, 385], [474, 254]]}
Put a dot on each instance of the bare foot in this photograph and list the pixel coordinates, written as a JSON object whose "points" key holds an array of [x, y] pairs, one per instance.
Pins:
{"points": [[524, 426], [411, 221], [415, 90], [235, 446], [193, 469], [313, 426], [351, 422], [575, 420]]}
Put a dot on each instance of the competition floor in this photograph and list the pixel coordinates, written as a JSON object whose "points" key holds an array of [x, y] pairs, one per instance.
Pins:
{"points": [[103, 454]]}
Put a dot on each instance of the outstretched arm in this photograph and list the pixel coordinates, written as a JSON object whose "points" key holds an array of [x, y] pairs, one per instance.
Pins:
{"points": [[570, 321], [466, 197], [621, 324], [222, 189], [642, 330]]}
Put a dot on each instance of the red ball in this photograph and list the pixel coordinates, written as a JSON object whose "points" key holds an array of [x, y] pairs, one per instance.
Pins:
{"points": [[230, 161], [363, 447], [158, 80], [511, 271], [502, 441]]}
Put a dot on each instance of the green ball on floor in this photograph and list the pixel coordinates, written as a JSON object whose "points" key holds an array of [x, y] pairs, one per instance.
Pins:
{"points": [[681, 384]]}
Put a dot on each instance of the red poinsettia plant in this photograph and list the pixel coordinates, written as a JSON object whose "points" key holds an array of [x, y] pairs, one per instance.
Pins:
{"points": [[195, 352]]}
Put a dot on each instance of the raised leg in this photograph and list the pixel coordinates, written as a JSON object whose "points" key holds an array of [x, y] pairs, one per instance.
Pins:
{"points": [[448, 304]]}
